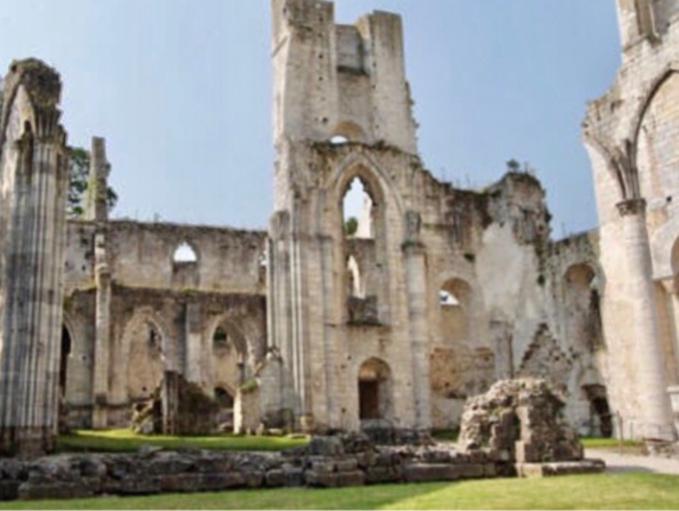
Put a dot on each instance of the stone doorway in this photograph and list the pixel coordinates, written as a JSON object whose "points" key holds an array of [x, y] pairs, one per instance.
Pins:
{"points": [[374, 391], [63, 359], [601, 423]]}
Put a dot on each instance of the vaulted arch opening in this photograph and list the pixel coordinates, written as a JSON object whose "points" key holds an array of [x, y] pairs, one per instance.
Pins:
{"points": [[583, 307], [229, 356], [375, 392], [65, 353], [657, 152], [146, 359], [362, 246], [455, 298]]}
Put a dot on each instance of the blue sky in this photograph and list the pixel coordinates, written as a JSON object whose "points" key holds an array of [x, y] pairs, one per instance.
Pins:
{"points": [[181, 91]]}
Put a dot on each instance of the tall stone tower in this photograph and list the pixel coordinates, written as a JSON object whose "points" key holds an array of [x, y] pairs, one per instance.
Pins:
{"points": [[631, 134], [342, 112], [33, 172]]}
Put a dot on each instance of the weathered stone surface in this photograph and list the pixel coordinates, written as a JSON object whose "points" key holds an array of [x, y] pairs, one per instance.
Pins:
{"points": [[519, 420], [560, 468]]}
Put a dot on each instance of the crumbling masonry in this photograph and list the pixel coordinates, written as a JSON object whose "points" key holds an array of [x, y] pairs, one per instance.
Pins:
{"points": [[438, 292]]}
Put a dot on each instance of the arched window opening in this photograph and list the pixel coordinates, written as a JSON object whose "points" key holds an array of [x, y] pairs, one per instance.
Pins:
{"points": [[184, 253], [223, 397], [346, 132], [154, 337], [448, 299], [455, 305], [220, 339], [583, 304], [63, 363], [339, 140], [358, 210], [375, 390]]}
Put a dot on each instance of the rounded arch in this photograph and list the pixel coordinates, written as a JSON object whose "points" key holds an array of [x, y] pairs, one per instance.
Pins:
{"points": [[647, 99], [350, 131], [375, 390], [455, 298], [582, 294], [663, 244], [146, 353], [601, 156], [233, 358]]}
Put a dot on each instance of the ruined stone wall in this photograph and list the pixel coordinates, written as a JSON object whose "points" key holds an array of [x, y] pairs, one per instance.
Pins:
{"points": [[204, 318], [452, 290]]}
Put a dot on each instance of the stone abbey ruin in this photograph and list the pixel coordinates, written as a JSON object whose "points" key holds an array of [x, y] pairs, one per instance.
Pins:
{"points": [[436, 294]]}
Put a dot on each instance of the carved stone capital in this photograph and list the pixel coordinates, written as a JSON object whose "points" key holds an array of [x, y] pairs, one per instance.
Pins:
{"points": [[631, 207]]}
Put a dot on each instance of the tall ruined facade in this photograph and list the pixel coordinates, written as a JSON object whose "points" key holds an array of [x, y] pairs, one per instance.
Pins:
{"points": [[325, 322], [631, 136], [33, 176], [402, 320]]}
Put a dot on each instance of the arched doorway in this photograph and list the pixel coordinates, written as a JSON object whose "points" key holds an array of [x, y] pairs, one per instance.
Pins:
{"points": [[65, 352], [601, 423], [374, 391]]}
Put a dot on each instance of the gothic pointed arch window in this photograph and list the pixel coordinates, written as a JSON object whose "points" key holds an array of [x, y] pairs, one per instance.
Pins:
{"points": [[184, 253]]}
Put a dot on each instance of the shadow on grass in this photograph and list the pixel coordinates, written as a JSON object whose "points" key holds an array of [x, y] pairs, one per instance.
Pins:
{"points": [[604, 491]]}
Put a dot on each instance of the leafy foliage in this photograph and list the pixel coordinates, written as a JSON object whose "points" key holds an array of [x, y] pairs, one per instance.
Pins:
{"points": [[351, 226], [78, 177]]}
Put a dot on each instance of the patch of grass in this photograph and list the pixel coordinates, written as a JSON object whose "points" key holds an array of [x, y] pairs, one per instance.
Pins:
{"points": [[124, 440], [613, 444], [620, 491], [602, 443], [446, 435]]}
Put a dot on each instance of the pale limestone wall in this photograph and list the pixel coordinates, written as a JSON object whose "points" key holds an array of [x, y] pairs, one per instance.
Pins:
{"points": [[523, 304], [631, 135]]}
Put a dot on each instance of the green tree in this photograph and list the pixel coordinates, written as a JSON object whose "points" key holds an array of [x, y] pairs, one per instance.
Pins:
{"points": [[351, 226], [78, 176], [513, 165]]}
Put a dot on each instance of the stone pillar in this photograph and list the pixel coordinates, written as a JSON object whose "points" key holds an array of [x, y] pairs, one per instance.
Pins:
{"points": [[96, 210], [654, 402], [34, 176], [102, 342], [96, 205], [194, 344], [416, 282]]}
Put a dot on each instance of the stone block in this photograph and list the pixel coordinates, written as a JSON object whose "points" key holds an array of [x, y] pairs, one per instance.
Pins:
{"points": [[346, 465], [560, 468], [422, 472], [9, 490], [54, 490], [379, 475], [275, 478]]}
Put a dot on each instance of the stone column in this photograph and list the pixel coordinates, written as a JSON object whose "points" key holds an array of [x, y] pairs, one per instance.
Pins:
{"points": [[33, 177], [96, 210], [416, 282], [102, 340], [654, 402], [194, 344]]}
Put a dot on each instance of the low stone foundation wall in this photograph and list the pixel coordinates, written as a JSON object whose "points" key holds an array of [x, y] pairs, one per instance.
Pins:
{"points": [[335, 461]]}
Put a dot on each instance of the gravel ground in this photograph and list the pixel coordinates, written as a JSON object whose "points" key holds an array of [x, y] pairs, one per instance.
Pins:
{"points": [[616, 462]]}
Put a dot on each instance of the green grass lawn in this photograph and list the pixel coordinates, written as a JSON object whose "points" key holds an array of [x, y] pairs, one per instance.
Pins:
{"points": [[124, 440], [622, 491], [612, 444]]}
